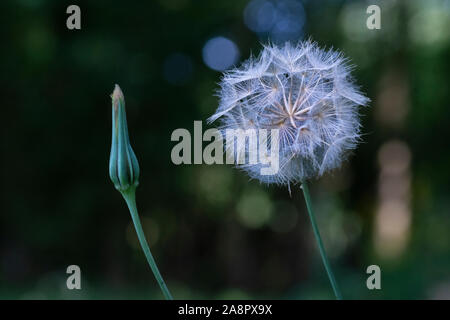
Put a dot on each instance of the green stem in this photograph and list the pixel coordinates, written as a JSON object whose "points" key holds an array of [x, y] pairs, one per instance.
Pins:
{"points": [[130, 198], [323, 254]]}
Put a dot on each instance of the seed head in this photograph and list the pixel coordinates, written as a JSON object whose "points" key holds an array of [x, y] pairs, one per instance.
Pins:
{"points": [[306, 93]]}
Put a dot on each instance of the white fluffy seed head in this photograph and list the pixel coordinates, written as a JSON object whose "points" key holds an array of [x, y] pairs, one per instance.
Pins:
{"points": [[304, 91]]}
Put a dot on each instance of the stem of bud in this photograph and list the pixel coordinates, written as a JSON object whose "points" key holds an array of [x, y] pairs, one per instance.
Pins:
{"points": [[130, 198]]}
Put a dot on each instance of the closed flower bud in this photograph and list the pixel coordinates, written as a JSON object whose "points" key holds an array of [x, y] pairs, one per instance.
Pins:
{"points": [[123, 165]]}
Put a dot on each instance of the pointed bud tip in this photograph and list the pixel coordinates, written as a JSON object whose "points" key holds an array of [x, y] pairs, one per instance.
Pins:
{"points": [[117, 93]]}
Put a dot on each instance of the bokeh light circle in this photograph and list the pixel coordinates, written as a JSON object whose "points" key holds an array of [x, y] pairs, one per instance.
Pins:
{"points": [[220, 53]]}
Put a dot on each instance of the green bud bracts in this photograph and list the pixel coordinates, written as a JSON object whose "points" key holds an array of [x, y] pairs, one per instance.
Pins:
{"points": [[123, 165]]}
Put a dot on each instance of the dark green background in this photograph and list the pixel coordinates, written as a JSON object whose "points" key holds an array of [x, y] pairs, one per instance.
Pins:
{"points": [[58, 206]]}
